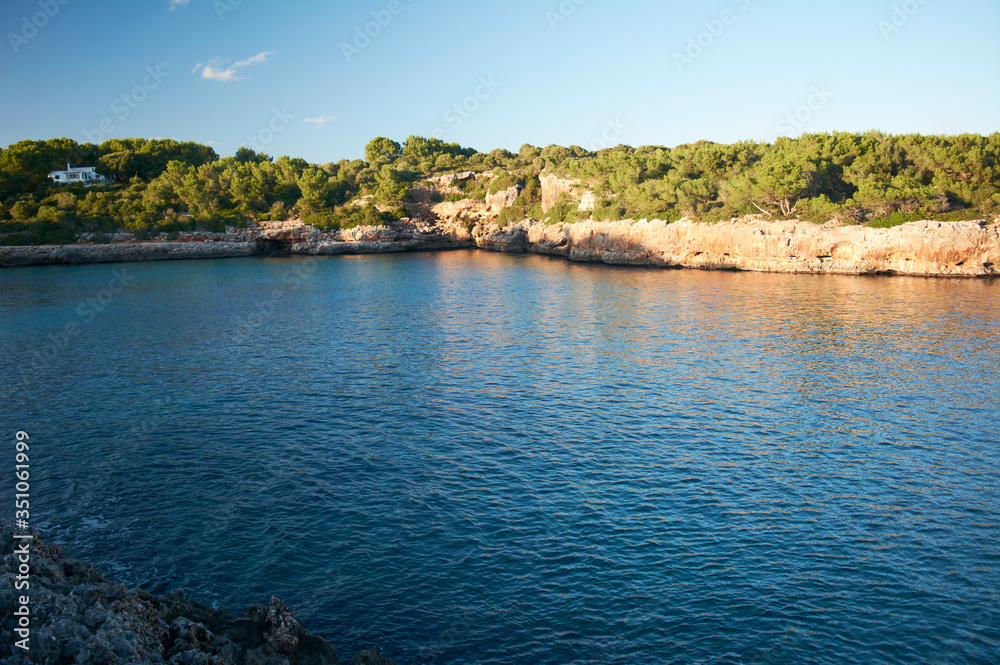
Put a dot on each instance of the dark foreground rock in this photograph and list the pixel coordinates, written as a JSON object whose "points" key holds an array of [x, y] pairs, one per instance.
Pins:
{"points": [[78, 616]]}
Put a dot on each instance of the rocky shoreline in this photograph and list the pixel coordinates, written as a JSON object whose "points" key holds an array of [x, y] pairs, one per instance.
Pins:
{"points": [[122, 252], [78, 616], [961, 249], [966, 249]]}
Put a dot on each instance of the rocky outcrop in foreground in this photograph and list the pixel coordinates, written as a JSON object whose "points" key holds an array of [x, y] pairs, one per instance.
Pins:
{"points": [[79, 617]]}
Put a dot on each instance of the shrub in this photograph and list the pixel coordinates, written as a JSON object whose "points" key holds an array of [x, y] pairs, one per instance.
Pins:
{"points": [[609, 214], [51, 234], [512, 215], [894, 219], [897, 218], [965, 215], [505, 181], [819, 210], [22, 211], [16, 240], [319, 220]]}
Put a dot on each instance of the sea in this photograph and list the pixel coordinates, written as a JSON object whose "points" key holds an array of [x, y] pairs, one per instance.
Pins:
{"points": [[480, 458]]}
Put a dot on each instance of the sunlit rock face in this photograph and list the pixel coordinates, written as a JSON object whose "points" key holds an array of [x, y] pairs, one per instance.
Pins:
{"points": [[576, 191], [749, 243], [916, 248], [504, 198]]}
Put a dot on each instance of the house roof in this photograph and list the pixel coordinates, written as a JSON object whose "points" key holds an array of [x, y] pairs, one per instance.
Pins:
{"points": [[76, 169]]}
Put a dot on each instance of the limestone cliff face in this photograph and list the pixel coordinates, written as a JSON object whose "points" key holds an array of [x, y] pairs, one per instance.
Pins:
{"points": [[504, 198], [438, 187], [576, 191], [403, 237], [752, 243], [917, 248]]}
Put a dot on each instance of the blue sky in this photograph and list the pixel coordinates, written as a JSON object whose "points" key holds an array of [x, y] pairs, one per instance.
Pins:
{"points": [[303, 78]]}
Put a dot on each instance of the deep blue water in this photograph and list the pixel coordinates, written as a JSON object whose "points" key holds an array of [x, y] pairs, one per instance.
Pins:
{"points": [[469, 457]]}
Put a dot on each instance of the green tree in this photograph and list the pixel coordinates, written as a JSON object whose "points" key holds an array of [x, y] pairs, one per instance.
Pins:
{"points": [[249, 156], [528, 153], [391, 187], [380, 147], [22, 211], [315, 187], [779, 179]]}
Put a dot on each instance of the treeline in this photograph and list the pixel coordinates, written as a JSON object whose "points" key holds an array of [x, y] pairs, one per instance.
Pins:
{"points": [[871, 178], [165, 185]]}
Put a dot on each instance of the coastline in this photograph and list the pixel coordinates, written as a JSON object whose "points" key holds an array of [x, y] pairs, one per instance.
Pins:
{"points": [[121, 252], [925, 248]]}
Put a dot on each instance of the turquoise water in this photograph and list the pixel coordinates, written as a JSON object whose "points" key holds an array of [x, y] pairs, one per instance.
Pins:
{"points": [[469, 457]]}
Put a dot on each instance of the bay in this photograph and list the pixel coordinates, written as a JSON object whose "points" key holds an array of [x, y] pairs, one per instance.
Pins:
{"points": [[467, 457]]}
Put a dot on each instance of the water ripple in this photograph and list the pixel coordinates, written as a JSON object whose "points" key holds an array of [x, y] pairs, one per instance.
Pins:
{"points": [[477, 458]]}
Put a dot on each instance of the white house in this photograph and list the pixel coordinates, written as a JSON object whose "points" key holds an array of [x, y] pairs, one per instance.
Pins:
{"points": [[88, 175]]}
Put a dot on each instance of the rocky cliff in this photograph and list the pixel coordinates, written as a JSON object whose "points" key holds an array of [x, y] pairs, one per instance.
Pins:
{"points": [[917, 248], [77, 616], [750, 243], [404, 237], [576, 192], [123, 252]]}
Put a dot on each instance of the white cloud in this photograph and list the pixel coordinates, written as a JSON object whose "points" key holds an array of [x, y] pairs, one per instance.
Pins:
{"points": [[210, 70], [214, 70], [174, 4], [322, 120], [256, 60]]}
